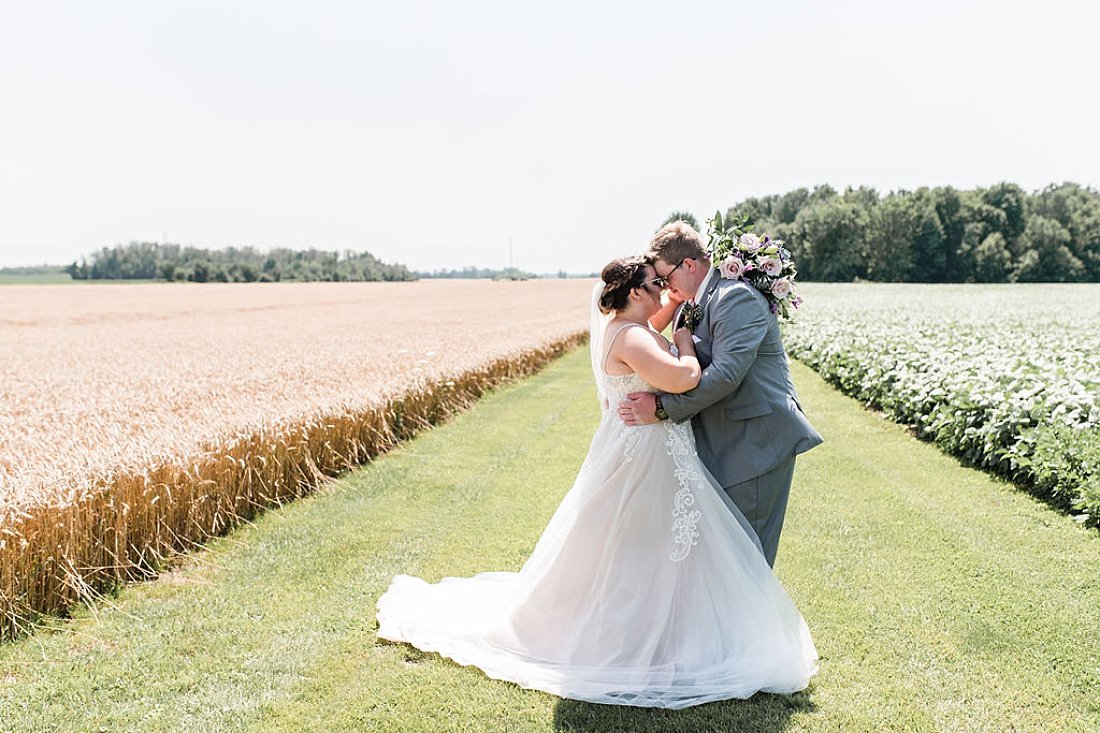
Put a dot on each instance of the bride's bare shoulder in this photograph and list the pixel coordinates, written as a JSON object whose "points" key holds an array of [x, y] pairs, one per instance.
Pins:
{"points": [[641, 334], [640, 341]]}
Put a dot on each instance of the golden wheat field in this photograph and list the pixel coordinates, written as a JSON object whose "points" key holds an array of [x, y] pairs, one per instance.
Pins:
{"points": [[136, 420]]}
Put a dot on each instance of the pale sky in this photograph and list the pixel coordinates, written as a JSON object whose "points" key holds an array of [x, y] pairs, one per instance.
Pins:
{"points": [[436, 133]]}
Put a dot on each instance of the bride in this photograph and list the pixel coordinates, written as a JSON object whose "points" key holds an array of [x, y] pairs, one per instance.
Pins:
{"points": [[647, 587]]}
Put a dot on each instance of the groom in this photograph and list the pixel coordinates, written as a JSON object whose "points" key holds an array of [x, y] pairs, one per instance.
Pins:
{"points": [[747, 420]]}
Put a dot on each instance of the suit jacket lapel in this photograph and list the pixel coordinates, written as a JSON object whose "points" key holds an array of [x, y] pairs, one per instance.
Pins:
{"points": [[678, 317]]}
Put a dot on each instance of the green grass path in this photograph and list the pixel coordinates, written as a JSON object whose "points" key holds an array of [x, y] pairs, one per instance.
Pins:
{"points": [[939, 598]]}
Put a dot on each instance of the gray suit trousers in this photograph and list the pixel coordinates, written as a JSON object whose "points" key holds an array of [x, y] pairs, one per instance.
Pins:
{"points": [[763, 501]]}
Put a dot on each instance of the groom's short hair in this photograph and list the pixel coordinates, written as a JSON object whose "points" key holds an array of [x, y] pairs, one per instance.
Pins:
{"points": [[677, 241]]}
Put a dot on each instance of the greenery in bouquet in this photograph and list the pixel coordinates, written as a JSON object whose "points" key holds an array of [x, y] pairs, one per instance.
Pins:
{"points": [[759, 260]]}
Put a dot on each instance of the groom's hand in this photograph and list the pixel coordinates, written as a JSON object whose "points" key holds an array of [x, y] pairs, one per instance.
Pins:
{"points": [[638, 409]]}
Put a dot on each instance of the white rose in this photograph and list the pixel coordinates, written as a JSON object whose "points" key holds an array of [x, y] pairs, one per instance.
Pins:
{"points": [[731, 268], [781, 288], [771, 266], [750, 241]]}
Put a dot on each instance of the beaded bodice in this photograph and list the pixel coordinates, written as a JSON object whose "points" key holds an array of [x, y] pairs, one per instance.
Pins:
{"points": [[618, 386]]}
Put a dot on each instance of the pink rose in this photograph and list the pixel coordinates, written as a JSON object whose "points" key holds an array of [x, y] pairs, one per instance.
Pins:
{"points": [[771, 266], [731, 268], [781, 288]]}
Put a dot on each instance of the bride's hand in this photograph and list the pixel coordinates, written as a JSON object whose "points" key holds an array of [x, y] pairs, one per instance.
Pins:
{"points": [[683, 340]]}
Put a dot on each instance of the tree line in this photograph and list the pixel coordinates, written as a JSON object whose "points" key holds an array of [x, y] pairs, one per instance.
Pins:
{"points": [[173, 262], [479, 273], [986, 235]]}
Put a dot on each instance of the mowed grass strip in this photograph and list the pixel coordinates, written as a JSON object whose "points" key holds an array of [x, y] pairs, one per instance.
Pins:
{"points": [[940, 598]]}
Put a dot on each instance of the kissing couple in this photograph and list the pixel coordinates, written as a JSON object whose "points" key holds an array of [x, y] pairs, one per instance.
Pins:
{"points": [[652, 584]]}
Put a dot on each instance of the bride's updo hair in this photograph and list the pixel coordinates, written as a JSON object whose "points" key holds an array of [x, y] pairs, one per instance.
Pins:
{"points": [[619, 278]]}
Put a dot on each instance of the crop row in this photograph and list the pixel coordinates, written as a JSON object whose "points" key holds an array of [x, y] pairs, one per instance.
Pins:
{"points": [[1006, 377], [137, 421]]}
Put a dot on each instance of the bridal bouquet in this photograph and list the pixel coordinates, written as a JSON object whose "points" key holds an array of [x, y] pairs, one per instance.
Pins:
{"points": [[762, 262]]}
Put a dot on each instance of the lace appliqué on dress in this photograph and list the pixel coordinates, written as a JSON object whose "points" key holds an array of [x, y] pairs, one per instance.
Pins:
{"points": [[685, 519], [631, 443], [618, 386]]}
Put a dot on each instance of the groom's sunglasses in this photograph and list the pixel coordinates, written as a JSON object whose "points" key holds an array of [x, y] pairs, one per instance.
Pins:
{"points": [[662, 280]]}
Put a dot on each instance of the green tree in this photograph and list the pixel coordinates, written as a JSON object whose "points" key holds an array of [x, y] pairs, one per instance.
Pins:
{"points": [[1011, 201], [832, 236], [686, 216], [949, 211], [788, 205], [758, 210], [821, 194], [889, 255], [1077, 209], [200, 272], [169, 261], [929, 261], [992, 260], [1046, 254], [994, 234]]}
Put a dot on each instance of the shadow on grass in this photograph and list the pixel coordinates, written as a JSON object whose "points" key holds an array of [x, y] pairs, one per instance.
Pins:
{"points": [[761, 713]]}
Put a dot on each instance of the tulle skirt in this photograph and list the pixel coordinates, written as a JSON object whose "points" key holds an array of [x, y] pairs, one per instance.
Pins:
{"points": [[646, 588]]}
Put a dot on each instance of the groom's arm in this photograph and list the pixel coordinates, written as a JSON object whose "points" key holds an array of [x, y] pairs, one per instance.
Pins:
{"points": [[738, 326]]}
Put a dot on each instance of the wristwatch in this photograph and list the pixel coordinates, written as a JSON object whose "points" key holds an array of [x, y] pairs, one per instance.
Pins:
{"points": [[660, 412]]}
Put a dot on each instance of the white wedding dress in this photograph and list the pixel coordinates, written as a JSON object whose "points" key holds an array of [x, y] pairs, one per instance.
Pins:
{"points": [[646, 588]]}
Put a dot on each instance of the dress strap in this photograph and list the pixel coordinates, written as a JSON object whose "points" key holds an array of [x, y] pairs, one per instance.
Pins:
{"points": [[609, 341]]}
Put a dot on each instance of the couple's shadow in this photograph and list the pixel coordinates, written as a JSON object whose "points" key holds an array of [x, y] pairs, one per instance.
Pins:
{"points": [[761, 713]]}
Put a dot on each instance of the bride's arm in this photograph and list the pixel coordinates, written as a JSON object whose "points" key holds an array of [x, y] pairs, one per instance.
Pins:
{"points": [[644, 352]]}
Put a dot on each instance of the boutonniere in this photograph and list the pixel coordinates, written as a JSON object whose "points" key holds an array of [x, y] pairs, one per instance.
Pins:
{"points": [[692, 315]]}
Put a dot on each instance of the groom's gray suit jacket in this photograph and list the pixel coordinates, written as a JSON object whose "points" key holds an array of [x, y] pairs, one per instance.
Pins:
{"points": [[745, 412]]}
